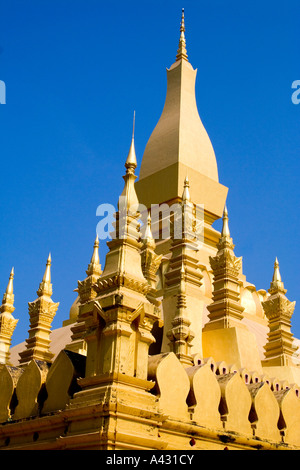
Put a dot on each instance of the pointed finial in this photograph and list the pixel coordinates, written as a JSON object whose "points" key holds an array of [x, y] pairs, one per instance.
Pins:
{"points": [[277, 284], [10, 289], [8, 297], [7, 321], [45, 287], [95, 257], [131, 162], [276, 274], [47, 274], [181, 53], [94, 267], [182, 270], [133, 125], [186, 192], [225, 228], [148, 237]]}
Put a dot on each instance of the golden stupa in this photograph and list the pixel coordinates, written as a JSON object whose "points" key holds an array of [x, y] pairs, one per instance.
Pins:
{"points": [[167, 346]]}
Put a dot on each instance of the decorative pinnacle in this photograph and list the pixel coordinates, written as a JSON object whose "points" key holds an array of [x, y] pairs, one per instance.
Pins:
{"points": [[182, 53], [131, 162], [47, 274], [94, 267], [10, 289], [148, 237], [225, 229], [7, 321], [95, 257], [186, 192], [225, 241], [8, 297], [46, 286], [276, 284], [276, 274]]}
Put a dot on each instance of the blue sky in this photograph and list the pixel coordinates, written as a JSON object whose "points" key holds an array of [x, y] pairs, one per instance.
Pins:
{"points": [[76, 70]]}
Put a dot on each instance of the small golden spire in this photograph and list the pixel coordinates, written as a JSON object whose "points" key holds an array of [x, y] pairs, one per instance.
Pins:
{"points": [[186, 191], [7, 321], [8, 297], [47, 274], [225, 228], [148, 236], [276, 274], [182, 53], [225, 241], [128, 200], [46, 286], [10, 288], [131, 161], [277, 284], [95, 257], [41, 313], [94, 267]]}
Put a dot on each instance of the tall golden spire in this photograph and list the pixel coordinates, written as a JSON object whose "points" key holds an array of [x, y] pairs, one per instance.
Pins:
{"points": [[179, 144], [41, 313], [128, 201], [181, 53], [7, 321], [127, 227], [125, 316]]}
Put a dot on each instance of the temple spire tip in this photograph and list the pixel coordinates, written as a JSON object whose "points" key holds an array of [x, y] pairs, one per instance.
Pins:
{"points": [[10, 289], [225, 228], [276, 274], [186, 191], [131, 161], [181, 52]]}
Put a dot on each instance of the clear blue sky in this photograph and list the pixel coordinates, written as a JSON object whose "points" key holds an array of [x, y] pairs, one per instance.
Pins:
{"points": [[76, 70]]}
